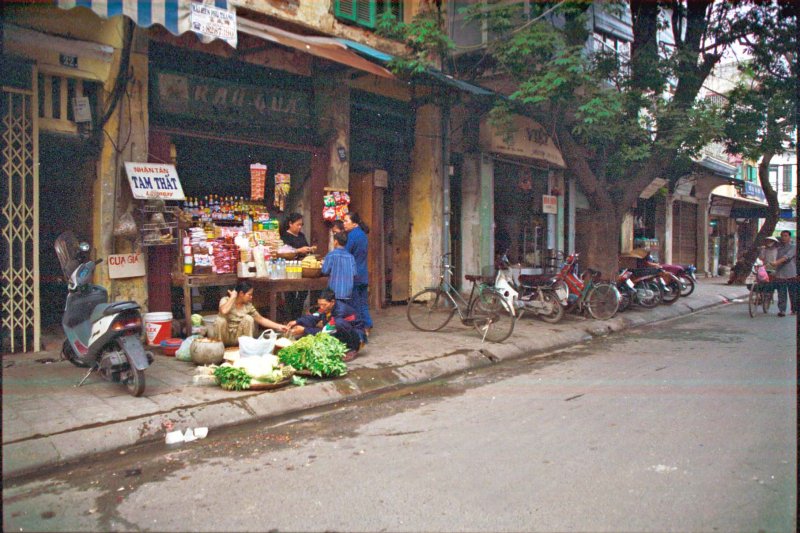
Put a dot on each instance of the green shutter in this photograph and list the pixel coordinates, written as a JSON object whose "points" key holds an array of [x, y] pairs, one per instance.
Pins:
{"points": [[362, 12], [345, 9], [366, 13]]}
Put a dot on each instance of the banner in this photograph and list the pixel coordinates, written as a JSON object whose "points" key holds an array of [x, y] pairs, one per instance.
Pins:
{"points": [[258, 181], [283, 184]]}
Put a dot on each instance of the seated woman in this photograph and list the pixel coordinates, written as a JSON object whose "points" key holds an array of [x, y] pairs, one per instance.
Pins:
{"points": [[337, 318], [238, 317]]}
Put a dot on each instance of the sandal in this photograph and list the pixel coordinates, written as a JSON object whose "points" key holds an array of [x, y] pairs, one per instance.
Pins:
{"points": [[349, 356]]}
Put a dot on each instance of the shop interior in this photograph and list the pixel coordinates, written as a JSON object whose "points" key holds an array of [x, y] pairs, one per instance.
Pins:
{"points": [[520, 224]]}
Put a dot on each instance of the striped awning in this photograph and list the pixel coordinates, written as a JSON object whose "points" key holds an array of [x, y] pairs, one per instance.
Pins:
{"points": [[174, 15]]}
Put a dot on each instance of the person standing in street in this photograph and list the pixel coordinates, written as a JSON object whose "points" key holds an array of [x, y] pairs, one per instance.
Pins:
{"points": [[358, 246], [786, 273]]}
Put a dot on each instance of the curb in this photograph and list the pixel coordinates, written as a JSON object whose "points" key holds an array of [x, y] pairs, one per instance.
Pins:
{"points": [[52, 451]]}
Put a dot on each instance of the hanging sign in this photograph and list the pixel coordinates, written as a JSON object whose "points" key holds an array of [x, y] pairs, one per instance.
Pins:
{"points": [[526, 139], [214, 22], [258, 181], [549, 204], [151, 181], [125, 266]]}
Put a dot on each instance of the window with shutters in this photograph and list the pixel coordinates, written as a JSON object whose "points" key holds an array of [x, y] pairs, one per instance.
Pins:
{"points": [[366, 12], [56, 96], [787, 178], [773, 176]]}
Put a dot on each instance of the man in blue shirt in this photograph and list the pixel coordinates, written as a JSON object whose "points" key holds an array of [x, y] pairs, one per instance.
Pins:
{"points": [[340, 266], [358, 245]]}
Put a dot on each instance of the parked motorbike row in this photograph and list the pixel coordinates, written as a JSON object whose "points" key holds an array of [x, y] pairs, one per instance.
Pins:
{"points": [[549, 296]]}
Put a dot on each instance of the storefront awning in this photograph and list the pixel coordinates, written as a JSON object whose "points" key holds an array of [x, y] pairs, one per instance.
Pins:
{"points": [[324, 47], [434, 74], [174, 15]]}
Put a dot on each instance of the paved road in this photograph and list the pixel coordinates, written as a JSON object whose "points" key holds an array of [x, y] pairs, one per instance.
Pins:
{"points": [[685, 426]]}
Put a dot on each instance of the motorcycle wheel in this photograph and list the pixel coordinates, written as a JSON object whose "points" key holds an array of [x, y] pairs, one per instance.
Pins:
{"points": [[69, 355], [134, 382], [671, 296], [648, 302], [687, 285], [556, 311], [624, 300]]}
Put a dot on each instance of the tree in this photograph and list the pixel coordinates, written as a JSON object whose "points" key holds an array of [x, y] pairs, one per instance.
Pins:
{"points": [[761, 112], [621, 121]]}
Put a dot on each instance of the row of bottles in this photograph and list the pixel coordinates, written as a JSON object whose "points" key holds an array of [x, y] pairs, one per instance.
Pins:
{"points": [[215, 207], [283, 269]]}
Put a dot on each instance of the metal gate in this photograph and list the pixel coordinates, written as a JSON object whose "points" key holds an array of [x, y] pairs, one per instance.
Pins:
{"points": [[19, 218]]}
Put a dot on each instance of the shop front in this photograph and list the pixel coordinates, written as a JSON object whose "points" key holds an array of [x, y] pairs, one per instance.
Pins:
{"points": [[522, 171]]}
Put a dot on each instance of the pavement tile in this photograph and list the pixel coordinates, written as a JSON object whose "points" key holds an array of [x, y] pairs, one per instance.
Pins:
{"points": [[22, 456]]}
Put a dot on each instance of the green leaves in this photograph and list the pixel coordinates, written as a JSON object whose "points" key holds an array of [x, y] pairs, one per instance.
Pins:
{"points": [[321, 354], [231, 378]]}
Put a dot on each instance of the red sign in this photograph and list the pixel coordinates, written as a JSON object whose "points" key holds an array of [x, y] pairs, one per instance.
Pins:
{"points": [[258, 181]]}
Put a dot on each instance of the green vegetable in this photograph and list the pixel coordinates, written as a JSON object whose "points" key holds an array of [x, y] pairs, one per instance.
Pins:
{"points": [[299, 381], [231, 378], [197, 320], [321, 354]]}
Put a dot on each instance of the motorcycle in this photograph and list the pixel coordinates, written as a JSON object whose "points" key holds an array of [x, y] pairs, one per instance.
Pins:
{"points": [[686, 276], [642, 291], [540, 300], [103, 337]]}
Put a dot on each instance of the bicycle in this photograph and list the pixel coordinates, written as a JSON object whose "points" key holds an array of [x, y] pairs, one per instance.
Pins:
{"points": [[585, 293], [760, 296], [432, 309]]}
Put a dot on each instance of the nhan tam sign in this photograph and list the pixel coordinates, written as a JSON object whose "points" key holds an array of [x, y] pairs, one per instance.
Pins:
{"points": [[151, 181]]}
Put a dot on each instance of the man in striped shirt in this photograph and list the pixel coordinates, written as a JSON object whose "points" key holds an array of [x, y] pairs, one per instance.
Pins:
{"points": [[340, 266]]}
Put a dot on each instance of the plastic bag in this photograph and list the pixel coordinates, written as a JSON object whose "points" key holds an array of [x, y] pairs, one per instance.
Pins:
{"points": [[184, 352], [126, 227], [262, 345]]}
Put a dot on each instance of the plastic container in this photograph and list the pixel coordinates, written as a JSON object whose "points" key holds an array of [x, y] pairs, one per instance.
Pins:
{"points": [[158, 327], [170, 346]]}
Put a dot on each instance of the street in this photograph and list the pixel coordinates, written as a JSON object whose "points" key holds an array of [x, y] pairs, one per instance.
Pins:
{"points": [[685, 425]]}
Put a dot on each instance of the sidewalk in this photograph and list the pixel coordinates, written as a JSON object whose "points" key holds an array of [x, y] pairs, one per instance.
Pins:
{"points": [[47, 420]]}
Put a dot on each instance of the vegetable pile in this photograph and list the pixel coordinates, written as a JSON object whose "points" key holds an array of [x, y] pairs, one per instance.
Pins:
{"points": [[320, 354], [252, 370]]}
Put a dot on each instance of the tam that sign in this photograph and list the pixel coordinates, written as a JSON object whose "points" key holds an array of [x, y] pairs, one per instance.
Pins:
{"points": [[154, 181]]}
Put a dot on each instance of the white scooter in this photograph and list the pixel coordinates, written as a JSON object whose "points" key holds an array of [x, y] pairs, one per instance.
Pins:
{"points": [[104, 337], [541, 300]]}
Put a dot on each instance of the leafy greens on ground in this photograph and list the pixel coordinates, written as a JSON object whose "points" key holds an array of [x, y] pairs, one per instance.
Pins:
{"points": [[321, 354]]}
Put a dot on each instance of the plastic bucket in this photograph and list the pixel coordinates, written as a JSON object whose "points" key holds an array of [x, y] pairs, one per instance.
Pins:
{"points": [[158, 327]]}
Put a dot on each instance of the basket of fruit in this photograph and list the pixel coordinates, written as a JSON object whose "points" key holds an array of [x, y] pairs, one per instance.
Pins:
{"points": [[312, 268]]}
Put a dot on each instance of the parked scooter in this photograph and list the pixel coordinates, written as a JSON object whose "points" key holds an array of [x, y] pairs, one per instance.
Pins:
{"points": [[642, 291], [104, 337], [686, 276], [541, 300]]}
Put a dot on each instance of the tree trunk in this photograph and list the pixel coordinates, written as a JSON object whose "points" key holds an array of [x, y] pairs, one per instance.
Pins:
{"points": [[603, 243], [742, 267]]}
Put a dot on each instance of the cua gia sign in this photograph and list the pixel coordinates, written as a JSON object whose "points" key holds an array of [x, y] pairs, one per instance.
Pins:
{"points": [[125, 266]]}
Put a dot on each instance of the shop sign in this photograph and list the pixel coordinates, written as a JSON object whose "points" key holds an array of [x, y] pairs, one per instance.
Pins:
{"points": [[151, 181], [549, 204], [214, 22], [81, 109], [720, 207], [198, 97], [755, 191], [527, 139], [125, 266]]}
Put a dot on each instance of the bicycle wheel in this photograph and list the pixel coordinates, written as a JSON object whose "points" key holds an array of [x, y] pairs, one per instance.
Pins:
{"points": [[492, 317], [603, 301], [430, 310], [752, 300]]}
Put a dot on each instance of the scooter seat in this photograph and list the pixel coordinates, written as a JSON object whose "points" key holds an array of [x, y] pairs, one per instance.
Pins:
{"points": [[118, 307], [533, 280]]}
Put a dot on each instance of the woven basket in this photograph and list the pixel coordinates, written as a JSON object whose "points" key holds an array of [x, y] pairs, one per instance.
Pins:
{"points": [[312, 272], [287, 255]]}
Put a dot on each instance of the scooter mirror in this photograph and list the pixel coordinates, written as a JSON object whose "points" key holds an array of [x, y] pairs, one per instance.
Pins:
{"points": [[84, 247]]}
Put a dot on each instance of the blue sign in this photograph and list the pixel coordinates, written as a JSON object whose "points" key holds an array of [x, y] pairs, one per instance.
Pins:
{"points": [[753, 190]]}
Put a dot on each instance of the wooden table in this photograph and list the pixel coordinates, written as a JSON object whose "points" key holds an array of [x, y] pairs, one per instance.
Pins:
{"points": [[270, 286]]}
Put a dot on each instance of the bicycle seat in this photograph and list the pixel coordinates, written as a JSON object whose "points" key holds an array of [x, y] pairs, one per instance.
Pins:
{"points": [[477, 278]]}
